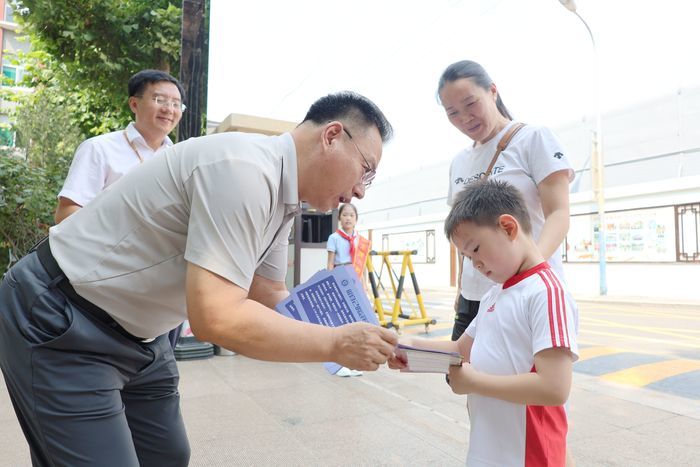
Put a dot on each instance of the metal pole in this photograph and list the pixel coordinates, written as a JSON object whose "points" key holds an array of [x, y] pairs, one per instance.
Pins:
{"points": [[596, 158]]}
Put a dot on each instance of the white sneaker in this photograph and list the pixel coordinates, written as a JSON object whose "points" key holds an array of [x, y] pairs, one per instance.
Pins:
{"points": [[345, 372]]}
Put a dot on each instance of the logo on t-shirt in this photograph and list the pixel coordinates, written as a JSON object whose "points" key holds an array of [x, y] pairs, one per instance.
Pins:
{"points": [[478, 176], [558, 155], [491, 308]]}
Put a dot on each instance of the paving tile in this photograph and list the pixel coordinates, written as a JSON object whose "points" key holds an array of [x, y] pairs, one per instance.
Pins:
{"points": [[275, 448], [242, 412], [684, 385], [619, 361]]}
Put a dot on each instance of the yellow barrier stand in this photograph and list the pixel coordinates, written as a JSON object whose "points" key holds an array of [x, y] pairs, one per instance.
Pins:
{"points": [[398, 289], [371, 273], [376, 280]]}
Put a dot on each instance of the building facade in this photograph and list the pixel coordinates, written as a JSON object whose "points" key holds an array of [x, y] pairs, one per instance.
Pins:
{"points": [[12, 70]]}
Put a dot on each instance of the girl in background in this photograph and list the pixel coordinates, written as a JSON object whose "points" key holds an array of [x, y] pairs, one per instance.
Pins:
{"points": [[341, 247], [342, 243]]}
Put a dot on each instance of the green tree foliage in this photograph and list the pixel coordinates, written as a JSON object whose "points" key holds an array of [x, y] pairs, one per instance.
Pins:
{"points": [[29, 182], [90, 48], [27, 198], [83, 53], [46, 132]]}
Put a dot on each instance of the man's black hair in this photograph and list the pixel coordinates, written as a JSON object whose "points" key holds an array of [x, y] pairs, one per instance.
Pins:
{"points": [[352, 108], [139, 81]]}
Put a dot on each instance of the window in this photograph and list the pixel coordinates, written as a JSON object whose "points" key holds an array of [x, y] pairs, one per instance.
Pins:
{"points": [[9, 12], [687, 243], [10, 73], [422, 242], [640, 235], [7, 137]]}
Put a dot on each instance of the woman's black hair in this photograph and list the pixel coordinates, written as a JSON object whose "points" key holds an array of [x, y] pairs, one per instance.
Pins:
{"points": [[477, 73]]}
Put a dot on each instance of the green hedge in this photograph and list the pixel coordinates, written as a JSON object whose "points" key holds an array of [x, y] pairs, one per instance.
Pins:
{"points": [[27, 203]]}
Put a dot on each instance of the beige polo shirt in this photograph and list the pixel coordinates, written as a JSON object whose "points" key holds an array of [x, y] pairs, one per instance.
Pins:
{"points": [[224, 202]]}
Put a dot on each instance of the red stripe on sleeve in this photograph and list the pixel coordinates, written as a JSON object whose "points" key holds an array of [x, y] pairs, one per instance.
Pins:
{"points": [[549, 308], [564, 333], [561, 310]]}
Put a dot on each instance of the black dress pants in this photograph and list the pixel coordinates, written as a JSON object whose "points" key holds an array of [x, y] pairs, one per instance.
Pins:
{"points": [[84, 394], [466, 312]]}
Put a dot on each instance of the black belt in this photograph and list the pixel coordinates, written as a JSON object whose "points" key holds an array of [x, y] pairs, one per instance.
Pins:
{"points": [[43, 251]]}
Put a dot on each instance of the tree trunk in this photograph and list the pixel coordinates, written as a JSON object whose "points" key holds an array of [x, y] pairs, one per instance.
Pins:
{"points": [[194, 52]]}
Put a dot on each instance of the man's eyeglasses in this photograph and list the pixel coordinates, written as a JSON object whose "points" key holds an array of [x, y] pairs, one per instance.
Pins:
{"points": [[370, 172], [173, 104]]}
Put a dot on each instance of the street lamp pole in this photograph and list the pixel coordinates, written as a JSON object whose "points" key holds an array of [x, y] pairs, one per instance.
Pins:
{"points": [[596, 157]]}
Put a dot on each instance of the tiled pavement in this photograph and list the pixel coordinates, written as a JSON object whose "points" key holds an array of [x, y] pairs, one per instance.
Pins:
{"points": [[244, 412]]}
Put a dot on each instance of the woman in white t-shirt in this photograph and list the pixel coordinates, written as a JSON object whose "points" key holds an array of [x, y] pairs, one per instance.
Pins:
{"points": [[534, 162]]}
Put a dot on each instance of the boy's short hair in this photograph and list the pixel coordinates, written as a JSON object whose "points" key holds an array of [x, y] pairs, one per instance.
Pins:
{"points": [[483, 202]]}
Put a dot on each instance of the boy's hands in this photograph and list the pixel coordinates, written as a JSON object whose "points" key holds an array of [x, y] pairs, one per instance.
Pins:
{"points": [[549, 385], [396, 362], [463, 379]]}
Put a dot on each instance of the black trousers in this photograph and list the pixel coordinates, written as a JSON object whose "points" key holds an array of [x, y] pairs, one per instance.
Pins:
{"points": [[84, 394], [466, 312]]}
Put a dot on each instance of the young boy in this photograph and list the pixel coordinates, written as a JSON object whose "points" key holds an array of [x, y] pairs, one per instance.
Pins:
{"points": [[522, 344]]}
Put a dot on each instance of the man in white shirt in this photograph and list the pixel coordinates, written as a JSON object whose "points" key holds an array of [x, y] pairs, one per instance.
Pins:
{"points": [[155, 98], [199, 233]]}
